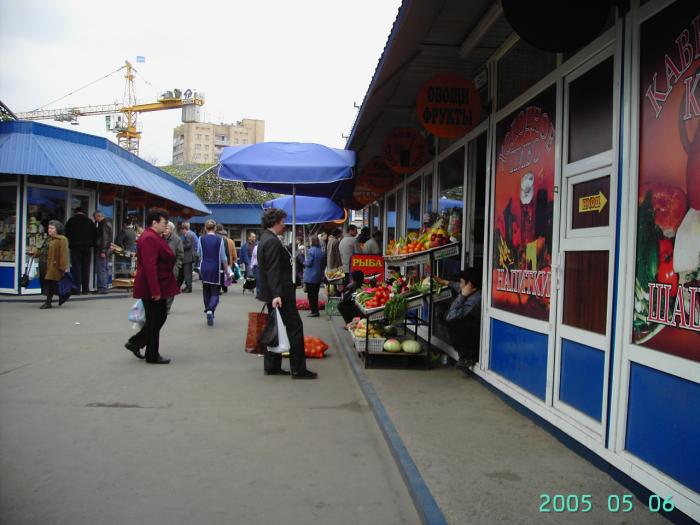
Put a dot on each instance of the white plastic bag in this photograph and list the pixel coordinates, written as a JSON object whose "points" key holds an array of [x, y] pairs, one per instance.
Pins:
{"points": [[33, 269], [282, 338], [137, 314]]}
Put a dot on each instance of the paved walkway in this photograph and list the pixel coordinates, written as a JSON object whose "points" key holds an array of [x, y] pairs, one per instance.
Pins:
{"points": [[483, 462], [91, 435]]}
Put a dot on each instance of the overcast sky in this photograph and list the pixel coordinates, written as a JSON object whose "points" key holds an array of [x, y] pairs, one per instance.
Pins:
{"points": [[297, 65]]}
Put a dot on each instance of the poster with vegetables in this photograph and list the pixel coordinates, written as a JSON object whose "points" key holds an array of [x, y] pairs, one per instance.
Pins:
{"points": [[667, 278], [521, 273]]}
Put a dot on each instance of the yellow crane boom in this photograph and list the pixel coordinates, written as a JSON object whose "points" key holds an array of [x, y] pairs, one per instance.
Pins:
{"points": [[125, 127]]}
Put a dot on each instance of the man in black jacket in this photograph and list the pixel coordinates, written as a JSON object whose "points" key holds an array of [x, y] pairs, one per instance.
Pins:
{"points": [[277, 290], [80, 231], [103, 240]]}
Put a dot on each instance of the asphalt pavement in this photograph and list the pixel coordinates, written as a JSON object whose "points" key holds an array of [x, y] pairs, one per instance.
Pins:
{"points": [[91, 435]]}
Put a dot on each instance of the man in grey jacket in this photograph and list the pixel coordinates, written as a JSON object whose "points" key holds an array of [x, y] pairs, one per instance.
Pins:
{"points": [[189, 246], [175, 244], [349, 246]]}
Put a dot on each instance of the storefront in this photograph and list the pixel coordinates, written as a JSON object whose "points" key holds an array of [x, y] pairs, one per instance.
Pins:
{"points": [[574, 184], [46, 172], [239, 220]]}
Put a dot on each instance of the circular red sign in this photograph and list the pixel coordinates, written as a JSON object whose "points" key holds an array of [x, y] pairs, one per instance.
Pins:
{"points": [[405, 150], [448, 106]]}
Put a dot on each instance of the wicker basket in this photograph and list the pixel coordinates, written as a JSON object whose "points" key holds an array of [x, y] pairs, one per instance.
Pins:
{"points": [[376, 345]]}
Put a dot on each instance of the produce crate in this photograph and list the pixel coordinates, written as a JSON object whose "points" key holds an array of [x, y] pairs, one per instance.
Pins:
{"points": [[376, 345]]}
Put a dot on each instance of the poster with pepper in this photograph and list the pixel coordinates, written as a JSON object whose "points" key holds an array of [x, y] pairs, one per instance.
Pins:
{"points": [[523, 200], [667, 277]]}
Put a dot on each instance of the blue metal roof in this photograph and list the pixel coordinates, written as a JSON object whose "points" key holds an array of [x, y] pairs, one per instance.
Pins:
{"points": [[242, 213], [32, 148]]}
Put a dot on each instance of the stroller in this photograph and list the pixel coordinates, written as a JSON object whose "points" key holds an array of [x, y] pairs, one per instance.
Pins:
{"points": [[249, 284]]}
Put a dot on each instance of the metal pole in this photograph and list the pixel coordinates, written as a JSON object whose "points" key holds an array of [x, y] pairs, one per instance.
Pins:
{"points": [[294, 234]]}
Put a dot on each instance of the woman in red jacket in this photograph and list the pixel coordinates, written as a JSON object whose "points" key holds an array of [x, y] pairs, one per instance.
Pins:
{"points": [[154, 283]]}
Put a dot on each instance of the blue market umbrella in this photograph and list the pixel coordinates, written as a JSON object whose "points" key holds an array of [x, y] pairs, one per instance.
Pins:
{"points": [[290, 168], [310, 210]]}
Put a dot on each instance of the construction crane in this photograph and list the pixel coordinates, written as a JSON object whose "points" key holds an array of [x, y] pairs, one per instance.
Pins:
{"points": [[124, 125]]}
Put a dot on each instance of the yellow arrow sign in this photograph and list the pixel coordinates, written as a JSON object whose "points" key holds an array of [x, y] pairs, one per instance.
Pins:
{"points": [[592, 203]]}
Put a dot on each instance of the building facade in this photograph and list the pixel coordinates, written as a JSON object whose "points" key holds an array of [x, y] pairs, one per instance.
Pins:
{"points": [[570, 178], [202, 142]]}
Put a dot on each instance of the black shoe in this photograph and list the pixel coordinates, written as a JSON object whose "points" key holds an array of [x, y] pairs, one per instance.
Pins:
{"points": [[314, 314], [62, 299], [133, 348], [159, 361], [45, 306], [306, 374], [280, 372], [102, 292]]}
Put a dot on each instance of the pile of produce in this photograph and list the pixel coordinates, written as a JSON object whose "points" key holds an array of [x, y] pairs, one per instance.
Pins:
{"points": [[426, 284], [374, 297], [314, 347], [395, 309], [434, 237], [361, 329], [409, 346], [335, 273]]}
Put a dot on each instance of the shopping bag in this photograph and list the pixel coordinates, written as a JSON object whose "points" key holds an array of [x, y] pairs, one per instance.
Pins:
{"points": [[257, 321], [29, 273], [137, 314], [66, 285], [236, 272], [282, 338]]}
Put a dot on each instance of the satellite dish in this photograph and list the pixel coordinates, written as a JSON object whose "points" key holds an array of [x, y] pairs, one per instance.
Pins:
{"points": [[555, 26]]}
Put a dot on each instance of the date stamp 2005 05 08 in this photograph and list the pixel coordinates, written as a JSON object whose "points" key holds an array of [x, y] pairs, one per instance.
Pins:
{"points": [[584, 503]]}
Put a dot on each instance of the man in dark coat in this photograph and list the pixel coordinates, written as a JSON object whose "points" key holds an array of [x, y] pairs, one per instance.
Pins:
{"points": [[189, 246], [277, 290], [103, 241], [80, 231]]}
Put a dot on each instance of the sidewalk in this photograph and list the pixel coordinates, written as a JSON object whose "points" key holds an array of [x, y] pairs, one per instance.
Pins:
{"points": [[89, 434], [483, 462]]}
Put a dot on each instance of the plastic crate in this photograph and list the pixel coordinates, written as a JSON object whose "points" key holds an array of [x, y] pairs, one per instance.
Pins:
{"points": [[376, 345]]}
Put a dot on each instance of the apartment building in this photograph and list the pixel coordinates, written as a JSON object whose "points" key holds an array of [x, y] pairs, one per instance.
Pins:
{"points": [[202, 142]]}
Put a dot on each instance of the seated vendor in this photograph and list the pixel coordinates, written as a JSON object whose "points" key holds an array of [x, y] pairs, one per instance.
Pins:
{"points": [[346, 306], [464, 318]]}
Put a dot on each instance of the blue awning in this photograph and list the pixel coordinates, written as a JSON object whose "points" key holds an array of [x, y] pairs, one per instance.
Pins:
{"points": [[310, 210], [32, 148], [282, 167], [245, 214]]}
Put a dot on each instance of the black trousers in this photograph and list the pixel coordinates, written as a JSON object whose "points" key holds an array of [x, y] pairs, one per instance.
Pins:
{"points": [[149, 335], [464, 339], [348, 310], [187, 275], [80, 259], [295, 332], [312, 293]]}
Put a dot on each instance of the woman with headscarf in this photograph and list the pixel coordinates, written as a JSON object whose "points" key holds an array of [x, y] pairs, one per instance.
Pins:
{"points": [[53, 263]]}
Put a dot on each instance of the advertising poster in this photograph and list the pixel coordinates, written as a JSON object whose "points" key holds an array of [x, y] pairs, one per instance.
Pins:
{"points": [[405, 150], [524, 203], [667, 278]]}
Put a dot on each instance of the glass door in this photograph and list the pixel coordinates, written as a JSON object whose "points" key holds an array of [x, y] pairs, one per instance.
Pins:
{"points": [[586, 247]]}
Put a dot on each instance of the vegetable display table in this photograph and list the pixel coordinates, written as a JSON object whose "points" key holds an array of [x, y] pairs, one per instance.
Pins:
{"points": [[413, 301]]}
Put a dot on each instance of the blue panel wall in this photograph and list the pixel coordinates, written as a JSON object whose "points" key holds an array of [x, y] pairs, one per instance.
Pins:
{"points": [[663, 423], [7, 277], [581, 379], [520, 356]]}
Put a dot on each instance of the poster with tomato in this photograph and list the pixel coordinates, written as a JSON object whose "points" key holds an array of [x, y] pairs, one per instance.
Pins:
{"points": [[524, 203], [667, 278]]}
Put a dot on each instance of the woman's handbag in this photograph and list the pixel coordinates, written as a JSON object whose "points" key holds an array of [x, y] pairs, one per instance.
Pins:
{"points": [[257, 321], [66, 284], [29, 273]]}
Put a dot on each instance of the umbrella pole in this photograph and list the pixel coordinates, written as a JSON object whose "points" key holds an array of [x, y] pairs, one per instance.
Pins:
{"points": [[294, 234]]}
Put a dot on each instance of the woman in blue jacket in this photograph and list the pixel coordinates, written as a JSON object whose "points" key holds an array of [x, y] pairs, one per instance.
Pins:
{"points": [[313, 274]]}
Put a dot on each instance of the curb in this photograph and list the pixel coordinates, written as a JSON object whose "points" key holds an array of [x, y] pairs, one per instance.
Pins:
{"points": [[427, 507]]}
